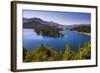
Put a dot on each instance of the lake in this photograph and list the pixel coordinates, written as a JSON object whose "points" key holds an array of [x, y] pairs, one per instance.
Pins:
{"points": [[31, 40]]}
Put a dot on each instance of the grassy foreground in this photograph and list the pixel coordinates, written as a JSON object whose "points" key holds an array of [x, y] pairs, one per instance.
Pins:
{"points": [[45, 53]]}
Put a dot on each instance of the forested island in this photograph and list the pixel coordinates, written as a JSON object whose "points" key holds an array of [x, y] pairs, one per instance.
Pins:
{"points": [[43, 28], [46, 53]]}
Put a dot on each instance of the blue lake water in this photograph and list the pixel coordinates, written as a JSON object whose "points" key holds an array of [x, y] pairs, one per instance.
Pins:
{"points": [[31, 40]]}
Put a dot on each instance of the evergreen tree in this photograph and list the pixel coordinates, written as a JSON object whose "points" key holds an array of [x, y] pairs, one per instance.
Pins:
{"points": [[68, 53], [84, 52]]}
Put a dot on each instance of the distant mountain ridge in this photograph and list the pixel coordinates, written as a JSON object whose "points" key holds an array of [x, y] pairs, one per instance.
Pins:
{"points": [[51, 28], [50, 23], [40, 21]]}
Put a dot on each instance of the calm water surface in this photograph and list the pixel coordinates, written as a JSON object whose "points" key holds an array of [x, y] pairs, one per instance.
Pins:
{"points": [[31, 40]]}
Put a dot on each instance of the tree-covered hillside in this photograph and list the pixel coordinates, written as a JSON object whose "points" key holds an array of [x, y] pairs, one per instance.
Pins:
{"points": [[45, 53], [82, 28]]}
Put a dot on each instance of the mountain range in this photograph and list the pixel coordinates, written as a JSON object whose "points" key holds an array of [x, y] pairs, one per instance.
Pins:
{"points": [[34, 21], [52, 28], [49, 23]]}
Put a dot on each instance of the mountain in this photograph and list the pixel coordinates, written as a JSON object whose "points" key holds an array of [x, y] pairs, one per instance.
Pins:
{"points": [[75, 25], [70, 26], [42, 27], [39, 21]]}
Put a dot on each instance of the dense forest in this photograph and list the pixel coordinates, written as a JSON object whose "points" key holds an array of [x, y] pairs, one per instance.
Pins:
{"points": [[45, 53], [82, 28]]}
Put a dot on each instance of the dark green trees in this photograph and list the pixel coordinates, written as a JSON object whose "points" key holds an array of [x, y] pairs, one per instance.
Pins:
{"points": [[82, 28], [48, 31], [45, 53], [84, 52]]}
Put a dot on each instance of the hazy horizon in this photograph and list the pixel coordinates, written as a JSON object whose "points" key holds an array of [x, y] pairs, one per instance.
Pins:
{"points": [[64, 18]]}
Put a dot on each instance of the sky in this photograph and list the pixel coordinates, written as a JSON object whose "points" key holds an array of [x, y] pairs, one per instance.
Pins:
{"points": [[64, 18]]}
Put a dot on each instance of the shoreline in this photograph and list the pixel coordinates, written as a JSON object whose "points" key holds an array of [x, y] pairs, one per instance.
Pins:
{"points": [[89, 34]]}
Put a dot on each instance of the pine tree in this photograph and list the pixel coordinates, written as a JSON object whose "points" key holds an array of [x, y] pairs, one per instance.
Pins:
{"points": [[68, 53]]}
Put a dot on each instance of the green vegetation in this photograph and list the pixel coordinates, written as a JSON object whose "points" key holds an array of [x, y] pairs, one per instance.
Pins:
{"points": [[48, 31], [44, 28], [82, 29], [45, 53], [83, 53], [68, 53]]}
